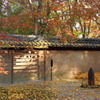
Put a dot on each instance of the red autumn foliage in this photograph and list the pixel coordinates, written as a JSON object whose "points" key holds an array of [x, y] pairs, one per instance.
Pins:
{"points": [[50, 17]]}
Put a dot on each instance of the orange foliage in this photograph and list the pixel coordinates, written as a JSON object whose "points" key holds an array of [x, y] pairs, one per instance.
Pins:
{"points": [[61, 17], [2, 71]]}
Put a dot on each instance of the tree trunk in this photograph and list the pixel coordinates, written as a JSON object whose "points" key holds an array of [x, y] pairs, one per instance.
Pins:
{"points": [[36, 20], [48, 10], [36, 27], [83, 35], [1, 2]]}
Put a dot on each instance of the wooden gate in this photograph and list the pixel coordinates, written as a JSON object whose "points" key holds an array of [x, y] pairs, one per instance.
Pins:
{"points": [[22, 67], [25, 67]]}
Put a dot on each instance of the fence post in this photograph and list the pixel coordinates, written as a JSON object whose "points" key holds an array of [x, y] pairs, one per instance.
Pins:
{"points": [[12, 63], [90, 77], [51, 68], [38, 65], [44, 65]]}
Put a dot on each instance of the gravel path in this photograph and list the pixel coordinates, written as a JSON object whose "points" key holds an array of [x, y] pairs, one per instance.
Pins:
{"points": [[71, 90]]}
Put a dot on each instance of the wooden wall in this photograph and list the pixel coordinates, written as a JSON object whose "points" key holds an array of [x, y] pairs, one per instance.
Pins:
{"points": [[34, 66], [21, 67]]}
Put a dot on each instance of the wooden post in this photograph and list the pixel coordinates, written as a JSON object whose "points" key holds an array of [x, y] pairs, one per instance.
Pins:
{"points": [[51, 68], [38, 65], [11, 67], [44, 65]]}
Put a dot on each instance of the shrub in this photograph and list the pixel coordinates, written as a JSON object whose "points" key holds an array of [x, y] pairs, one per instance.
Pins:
{"points": [[85, 76]]}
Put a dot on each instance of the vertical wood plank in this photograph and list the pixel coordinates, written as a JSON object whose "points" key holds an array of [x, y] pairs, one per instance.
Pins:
{"points": [[51, 74], [44, 65], [51, 68], [38, 65], [12, 63]]}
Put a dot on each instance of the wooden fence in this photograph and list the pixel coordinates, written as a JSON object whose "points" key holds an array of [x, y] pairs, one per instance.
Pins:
{"points": [[21, 68]]}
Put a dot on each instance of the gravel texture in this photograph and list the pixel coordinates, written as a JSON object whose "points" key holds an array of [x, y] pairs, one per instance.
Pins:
{"points": [[70, 90]]}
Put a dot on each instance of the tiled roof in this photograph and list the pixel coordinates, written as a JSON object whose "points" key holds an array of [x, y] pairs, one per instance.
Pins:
{"points": [[39, 42]]}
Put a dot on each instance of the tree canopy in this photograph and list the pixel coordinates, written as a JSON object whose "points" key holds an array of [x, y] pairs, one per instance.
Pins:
{"points": [[62, 18]]}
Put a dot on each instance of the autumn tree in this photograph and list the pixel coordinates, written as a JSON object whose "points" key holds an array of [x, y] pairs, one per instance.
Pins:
{"points": [[63, 18], [80, 15]]}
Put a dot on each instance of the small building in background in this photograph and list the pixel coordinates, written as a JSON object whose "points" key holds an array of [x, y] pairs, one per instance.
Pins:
{"points": [[27, 58]]}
